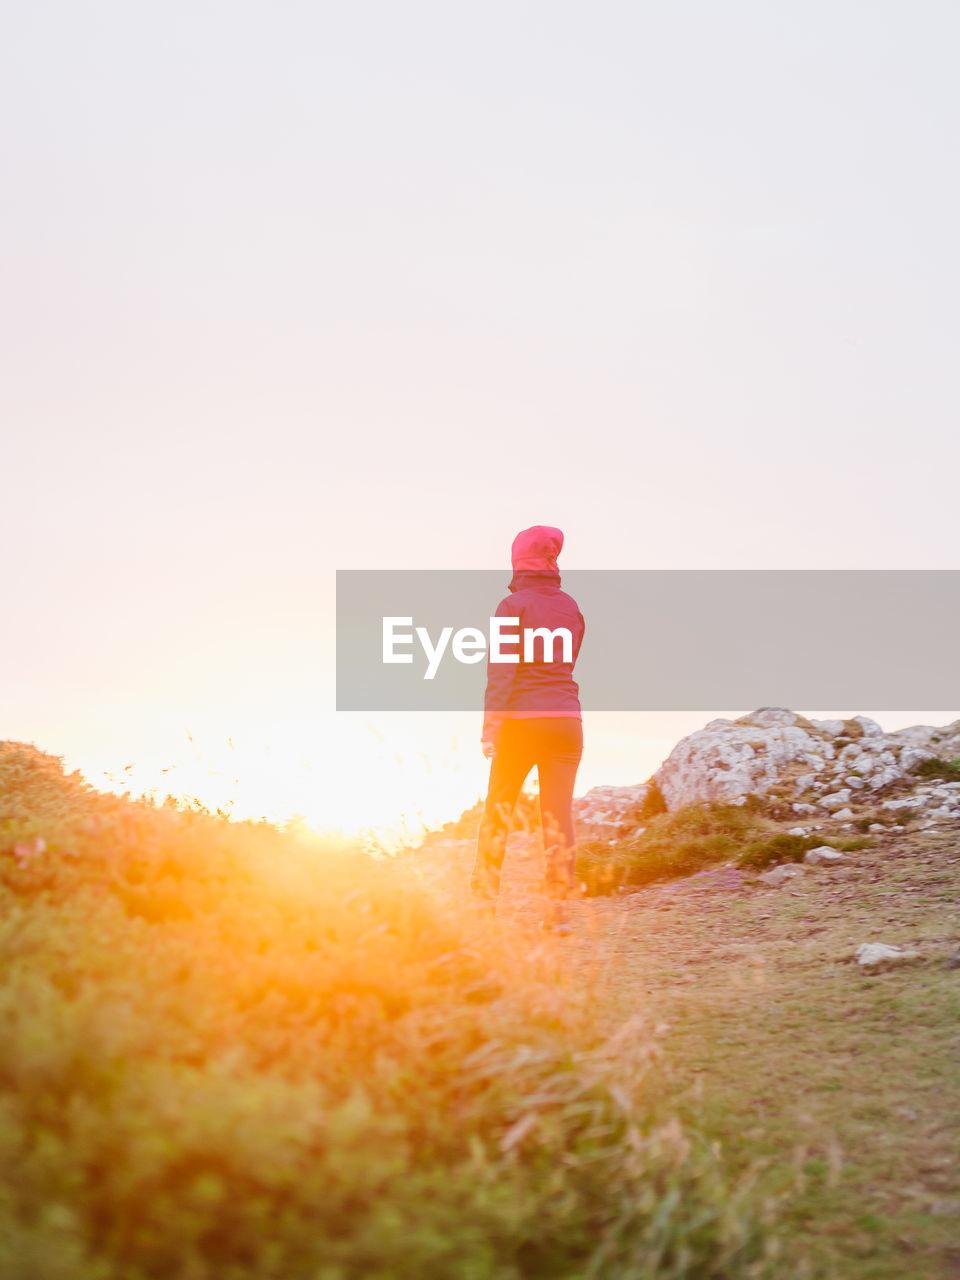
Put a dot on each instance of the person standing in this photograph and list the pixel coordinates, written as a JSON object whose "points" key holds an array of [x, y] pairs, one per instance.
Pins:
{"points": [[532, 717]]}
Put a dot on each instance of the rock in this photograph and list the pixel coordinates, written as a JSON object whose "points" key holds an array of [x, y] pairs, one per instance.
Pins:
{"points": [[767, 717], [871, 953], [910, 757], [833, 727], [777, 876], [823, 856], [797, 831], [817, 763], [917, 735], [607, 804], [730, 761], [843, 814], [883, 777], [877, 828], [803, 808], [774, 749], [943, 741], [835, 800], [870, 727]]}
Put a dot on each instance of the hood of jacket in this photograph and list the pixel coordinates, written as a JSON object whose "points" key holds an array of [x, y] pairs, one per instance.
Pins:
{"points": [[534, 556]]}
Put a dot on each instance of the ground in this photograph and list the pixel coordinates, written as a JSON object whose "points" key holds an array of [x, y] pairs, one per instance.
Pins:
{"points": [[843, 1083]]}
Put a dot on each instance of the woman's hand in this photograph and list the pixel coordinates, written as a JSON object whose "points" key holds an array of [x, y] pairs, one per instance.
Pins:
{"points": [[488, 748]]}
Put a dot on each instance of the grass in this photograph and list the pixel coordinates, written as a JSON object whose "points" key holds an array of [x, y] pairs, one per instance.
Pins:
{"points": [[847, 1084], [229, 1051], [692, 839], [840, 1086], [942, 770]]}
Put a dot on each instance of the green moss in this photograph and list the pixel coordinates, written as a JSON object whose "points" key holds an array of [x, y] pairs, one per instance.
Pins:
{"points": [[944, 770]]}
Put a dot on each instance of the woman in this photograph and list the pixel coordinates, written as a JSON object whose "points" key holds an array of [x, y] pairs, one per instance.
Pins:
{"points": [[532, 717]]}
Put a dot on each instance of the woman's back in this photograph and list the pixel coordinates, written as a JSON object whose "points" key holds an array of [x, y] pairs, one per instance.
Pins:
{"points": [[544, 686]]}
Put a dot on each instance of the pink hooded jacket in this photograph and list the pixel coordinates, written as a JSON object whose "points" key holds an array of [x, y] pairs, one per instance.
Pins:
{"points": [[527, 689]]}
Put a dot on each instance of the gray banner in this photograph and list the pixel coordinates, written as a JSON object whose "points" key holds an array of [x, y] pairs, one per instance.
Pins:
{"points": [[671, 640]]}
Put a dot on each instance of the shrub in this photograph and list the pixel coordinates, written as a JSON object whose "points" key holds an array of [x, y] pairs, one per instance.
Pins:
{"points": [[945, 770], [882, 816], [781, 847], [653, 802], [639, 814], [672, 844], [232, 1051]]}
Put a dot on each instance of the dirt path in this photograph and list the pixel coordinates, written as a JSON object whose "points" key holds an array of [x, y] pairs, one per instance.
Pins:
{"points": [[844, 1082]]}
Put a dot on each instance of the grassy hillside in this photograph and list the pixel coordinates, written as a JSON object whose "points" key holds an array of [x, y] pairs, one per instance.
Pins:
{"points": [[844, 1081], [228, 1051], [687, 840]]}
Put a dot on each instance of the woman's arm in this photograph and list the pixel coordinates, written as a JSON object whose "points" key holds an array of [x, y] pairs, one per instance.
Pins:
{"points": [[500, 678]]}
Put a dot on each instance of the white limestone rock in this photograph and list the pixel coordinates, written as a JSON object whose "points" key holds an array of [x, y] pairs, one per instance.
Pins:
{"points": [[823, 856], [832, 727], [778, 876], [873, 953], [883, 777], [818, 761], [768, 717], [910, 757], [727, 761], [870, 727], [835, 800], [944, 811], [774, 749], [602, 806]]}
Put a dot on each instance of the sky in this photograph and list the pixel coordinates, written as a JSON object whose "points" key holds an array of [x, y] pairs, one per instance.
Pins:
{"points": [[296, 287]]}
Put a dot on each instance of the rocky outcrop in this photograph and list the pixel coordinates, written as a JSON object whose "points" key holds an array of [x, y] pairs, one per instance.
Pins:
{"points": [[600, 813], [828, 771], [831, 764]]}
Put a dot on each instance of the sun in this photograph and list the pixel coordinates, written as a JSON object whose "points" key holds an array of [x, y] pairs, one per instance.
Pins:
{"points": [[389, 779]]}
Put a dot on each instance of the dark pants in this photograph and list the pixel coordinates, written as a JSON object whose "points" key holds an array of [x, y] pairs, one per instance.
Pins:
{"points": [[554, 744]]}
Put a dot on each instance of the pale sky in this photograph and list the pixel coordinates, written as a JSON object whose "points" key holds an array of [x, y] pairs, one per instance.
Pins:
{"points": [[296, 287]]}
